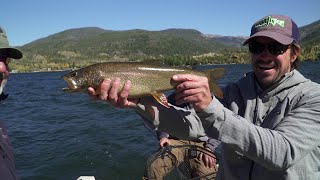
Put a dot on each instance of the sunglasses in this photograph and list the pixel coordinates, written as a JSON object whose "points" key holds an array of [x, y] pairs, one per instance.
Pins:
{"points": [[274, 48]]}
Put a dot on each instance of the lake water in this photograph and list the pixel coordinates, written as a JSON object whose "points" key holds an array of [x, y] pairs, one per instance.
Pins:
{"points": [[56, 135]]}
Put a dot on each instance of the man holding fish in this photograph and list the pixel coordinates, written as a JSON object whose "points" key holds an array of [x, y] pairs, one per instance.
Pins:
{"points": [[148, 81], [268, 122]]}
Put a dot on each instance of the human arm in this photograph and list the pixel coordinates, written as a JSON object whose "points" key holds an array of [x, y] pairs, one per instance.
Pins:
{"points": [[294, 133], [163, 138], [174, 118], [164, 141], [291, 127], [209, 160], [293, 130], [198, 91]]}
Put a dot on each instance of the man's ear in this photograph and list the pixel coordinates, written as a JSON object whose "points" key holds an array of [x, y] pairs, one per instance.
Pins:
{"points": [[295, 51]]}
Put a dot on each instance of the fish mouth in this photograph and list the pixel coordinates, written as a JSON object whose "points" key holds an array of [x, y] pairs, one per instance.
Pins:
{"points": [[72, 85]]}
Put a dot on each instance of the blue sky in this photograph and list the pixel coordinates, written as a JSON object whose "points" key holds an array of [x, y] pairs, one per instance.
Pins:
{"points": [[29, 20]]}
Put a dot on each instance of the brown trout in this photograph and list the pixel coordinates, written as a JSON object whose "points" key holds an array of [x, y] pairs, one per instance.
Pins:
{"points": [[146, 78]]}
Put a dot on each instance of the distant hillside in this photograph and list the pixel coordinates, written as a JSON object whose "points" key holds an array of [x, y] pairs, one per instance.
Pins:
{"points": [[310, 41], [310, 34], [228, 40], [94, 41], [82, 46]]}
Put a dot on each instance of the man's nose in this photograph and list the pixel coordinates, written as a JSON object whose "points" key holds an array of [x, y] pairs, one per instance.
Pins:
{"points": [[265, 52]]}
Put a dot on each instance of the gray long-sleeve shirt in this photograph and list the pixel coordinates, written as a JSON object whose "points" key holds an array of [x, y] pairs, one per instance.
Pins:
{"points": [[209, 142], [265, 134]]}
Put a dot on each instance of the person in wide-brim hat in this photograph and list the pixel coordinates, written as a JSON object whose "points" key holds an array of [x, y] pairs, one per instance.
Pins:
{"points": [[6, 49], [7, 163]]}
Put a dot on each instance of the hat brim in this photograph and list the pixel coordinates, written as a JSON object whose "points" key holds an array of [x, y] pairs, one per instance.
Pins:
{"points": [[13, 52], [283, 39]]}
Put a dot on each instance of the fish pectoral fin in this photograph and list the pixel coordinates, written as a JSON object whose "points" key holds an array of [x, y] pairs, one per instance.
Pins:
{"points": [[217, 91], [161, 98], [66, 89], [213, 75], [69, 90]]}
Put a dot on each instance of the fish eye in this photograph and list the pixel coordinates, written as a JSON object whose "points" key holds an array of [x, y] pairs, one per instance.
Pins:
{"points": [[73, 74]]}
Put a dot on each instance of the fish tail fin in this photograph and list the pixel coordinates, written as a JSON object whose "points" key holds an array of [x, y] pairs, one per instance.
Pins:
{"points": [[213, 75]]}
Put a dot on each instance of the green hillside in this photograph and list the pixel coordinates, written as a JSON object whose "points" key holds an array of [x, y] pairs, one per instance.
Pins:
{"points": [[310, 41], [79, 47]]}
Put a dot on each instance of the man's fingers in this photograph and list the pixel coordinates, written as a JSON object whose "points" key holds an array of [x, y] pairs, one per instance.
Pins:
{"points": [[109, 91], [183, 77], [113, 92], [104, 89], [186, 82], [189, 95], [210, 162], [123, 101], [91, 92], [200, 156]]}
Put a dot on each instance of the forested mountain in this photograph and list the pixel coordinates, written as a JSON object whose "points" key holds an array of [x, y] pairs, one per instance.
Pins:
{"points": [[94, 41], [310, 34], [82, 46], [310, 41]]}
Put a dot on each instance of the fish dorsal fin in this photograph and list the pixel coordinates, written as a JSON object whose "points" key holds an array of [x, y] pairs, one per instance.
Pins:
{"points": [[161, 98], [215, 73], [153, 62]]}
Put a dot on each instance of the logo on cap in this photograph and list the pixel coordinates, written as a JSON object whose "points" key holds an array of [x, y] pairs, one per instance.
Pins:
{"points": [[270, 21]]}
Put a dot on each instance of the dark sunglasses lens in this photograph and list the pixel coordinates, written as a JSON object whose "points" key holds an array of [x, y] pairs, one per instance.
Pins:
{"points": [[273, 48], [277, 48], [256, 48]]}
